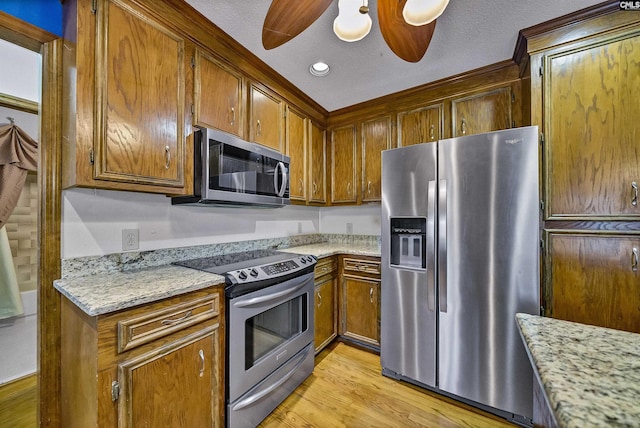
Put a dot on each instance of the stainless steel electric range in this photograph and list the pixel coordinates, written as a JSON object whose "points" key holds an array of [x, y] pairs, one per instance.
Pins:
{"points": [[269, 328]]}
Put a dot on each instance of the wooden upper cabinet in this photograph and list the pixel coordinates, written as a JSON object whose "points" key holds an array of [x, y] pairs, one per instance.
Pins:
{"points": [[317, 164], [594, 280], [343, 164], [592, 130], [420, 125], [218, 95], [140, 99], [376, 137], [482, 112], [266, 124], [297, 135]]}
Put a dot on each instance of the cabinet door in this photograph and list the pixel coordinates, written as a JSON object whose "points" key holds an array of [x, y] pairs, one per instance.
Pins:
{"points": [[326, 312], [217, 95], [139, 124], [376, 137], [420, 125], [483, 112], [296, 125], [266, 124], [592, 129], [173, 386], [361, 310], [343, 164], [595, 280], [318, 165]]}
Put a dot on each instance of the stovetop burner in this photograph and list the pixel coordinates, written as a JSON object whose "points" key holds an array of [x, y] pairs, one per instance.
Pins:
{"points": [[250, 270]]}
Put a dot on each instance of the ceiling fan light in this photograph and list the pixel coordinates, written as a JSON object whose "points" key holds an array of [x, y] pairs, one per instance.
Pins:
{"points": [[350, 25], [422, 12]]}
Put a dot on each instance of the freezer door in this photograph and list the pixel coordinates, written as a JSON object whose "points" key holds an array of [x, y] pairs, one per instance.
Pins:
{"points": [[408, 303], [488, 265]]}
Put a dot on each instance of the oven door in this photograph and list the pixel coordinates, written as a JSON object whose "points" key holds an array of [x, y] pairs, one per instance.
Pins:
{"points": [[267, 328]]}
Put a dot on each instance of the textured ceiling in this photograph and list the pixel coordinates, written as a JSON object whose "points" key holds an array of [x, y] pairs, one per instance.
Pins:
{"points": [[470, 34]]}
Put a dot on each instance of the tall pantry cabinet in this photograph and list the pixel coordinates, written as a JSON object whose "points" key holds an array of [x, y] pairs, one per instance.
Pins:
{"points": [[584, 99]]}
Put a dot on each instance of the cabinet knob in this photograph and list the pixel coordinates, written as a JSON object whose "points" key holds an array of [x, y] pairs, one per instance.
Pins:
{"points": [[432, 133], [233, 116], [634, 198], [463, 126], [369, 187], [349, 188], [259, 128], [301, 185], [634, 259], [167, 155], [371, 294], [319, 299]]}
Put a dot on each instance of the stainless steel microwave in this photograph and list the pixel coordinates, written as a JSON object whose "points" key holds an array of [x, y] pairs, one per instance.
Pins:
{"points": [[231, 171]]}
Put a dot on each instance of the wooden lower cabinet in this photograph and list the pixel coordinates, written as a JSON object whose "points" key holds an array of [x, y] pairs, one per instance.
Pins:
{"points": [[360, 301], [160, 364], [326, 301], [594, 279]]}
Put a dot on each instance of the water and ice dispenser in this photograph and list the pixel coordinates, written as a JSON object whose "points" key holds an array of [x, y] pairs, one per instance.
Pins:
{"points": [[408, 242]]}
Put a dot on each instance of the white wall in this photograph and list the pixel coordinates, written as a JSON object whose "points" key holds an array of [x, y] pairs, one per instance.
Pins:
{"points": [[359, 220], [20, 72], [92, 222]]}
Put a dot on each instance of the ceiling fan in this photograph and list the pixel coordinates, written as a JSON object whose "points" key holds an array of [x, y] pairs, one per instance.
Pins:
{"points": [[406, 25]]}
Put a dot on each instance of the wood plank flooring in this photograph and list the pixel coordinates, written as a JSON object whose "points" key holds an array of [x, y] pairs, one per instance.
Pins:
{"points": [[18, 403], [347, 389]]}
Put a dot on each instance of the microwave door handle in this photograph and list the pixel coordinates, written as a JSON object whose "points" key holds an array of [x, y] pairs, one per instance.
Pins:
{"points": [[283, 188]]}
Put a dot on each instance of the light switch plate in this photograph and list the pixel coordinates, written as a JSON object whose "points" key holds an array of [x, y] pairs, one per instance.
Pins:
{"points": [[130, 239]]}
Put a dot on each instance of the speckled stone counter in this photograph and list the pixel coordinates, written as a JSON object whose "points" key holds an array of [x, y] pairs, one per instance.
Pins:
{"points": [[105, 293], [590, 375], [326, 249]]}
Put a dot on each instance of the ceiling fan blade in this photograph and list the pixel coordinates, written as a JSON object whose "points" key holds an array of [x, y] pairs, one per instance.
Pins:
{"points": [[408, 42], [286, 19]]}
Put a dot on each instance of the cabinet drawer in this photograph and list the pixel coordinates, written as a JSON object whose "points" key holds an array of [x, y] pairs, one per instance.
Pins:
{"points": [[146, 327], [358, 267], [326, 266]]}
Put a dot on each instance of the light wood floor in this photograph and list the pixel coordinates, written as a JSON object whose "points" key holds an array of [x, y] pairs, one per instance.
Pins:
{"points": [[18, 403], [346, 389]]}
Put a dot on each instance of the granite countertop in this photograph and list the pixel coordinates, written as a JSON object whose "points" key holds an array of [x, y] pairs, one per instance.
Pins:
{"points": [[326, 249], [590, 375], [105, 293]]}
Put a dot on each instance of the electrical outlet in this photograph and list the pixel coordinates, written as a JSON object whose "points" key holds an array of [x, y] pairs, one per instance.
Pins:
{"points": [[130, 239], [349, 228]]}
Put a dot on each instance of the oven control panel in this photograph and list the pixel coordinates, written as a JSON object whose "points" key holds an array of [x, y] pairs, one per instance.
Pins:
{"points": [[272, 270]]}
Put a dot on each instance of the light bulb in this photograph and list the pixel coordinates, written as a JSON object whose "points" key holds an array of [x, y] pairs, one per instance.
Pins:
{"points": [[350, 25], [422, 12]]}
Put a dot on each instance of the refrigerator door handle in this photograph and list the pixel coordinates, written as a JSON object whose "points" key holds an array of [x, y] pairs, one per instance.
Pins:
{"points": [[442, 244], [430, 253]]}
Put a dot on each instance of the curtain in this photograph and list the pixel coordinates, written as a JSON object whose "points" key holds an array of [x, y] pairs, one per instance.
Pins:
{"points": [[18, 154]]}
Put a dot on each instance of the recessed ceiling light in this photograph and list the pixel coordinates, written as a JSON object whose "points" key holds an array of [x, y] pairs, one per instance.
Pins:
{"points": [[319, 69]]}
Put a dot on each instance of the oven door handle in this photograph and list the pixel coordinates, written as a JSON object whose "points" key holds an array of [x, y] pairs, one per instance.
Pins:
{"points": [[253, 398], [262, 299]]}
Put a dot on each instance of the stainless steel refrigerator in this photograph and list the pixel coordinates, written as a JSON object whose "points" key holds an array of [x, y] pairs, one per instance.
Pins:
{"points": [[460, 240]]}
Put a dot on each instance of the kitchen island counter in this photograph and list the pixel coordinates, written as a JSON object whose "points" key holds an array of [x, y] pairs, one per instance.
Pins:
{"points": [[590, 375]]}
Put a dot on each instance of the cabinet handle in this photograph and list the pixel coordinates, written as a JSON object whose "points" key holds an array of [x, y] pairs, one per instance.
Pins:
{"points": [[362, 268], [233, 116], [325, 269], [369, 187], [319, 297], [634, 259], [371, 294], [177, 320], [463, 126], [634, 200], [349, 188], [301, 184], [432, 133], [259, 128], [167, 155], [201, 354], [315, 188]]}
